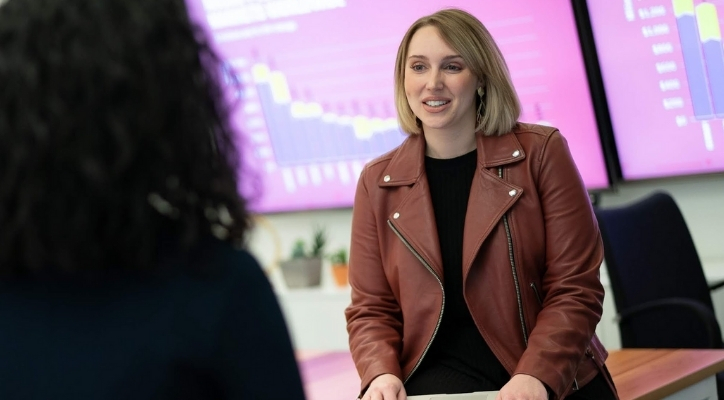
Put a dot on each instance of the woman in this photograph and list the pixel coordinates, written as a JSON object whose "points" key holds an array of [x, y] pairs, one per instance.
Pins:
{"points": [[121, 273], [475, 252]]}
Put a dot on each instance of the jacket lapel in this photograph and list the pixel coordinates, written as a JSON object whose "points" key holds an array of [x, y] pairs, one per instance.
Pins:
{"points": [[414, 217], [490, 196]]}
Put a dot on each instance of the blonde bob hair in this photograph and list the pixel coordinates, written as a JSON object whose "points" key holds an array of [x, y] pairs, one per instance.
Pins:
{"points": [[465, 34]]}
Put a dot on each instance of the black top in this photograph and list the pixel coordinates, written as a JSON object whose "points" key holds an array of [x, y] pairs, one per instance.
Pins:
{"points": [[459, 360], [183, 335]]}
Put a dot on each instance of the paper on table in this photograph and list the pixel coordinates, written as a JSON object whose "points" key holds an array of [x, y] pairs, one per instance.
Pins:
{"points": [[460, 396]]}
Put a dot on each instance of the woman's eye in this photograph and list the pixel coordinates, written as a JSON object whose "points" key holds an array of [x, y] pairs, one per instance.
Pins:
{"points": [[453, 67], [417, 67]]}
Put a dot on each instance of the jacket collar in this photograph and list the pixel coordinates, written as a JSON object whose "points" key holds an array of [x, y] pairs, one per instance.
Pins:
{"points": [[408, 162], [490, 197]]}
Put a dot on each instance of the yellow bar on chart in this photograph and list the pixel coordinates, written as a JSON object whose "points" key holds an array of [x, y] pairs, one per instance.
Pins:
{"points": [[708, 22], [306, 110], [682, 7], [279, 87], [260, 73], [362, 127]]}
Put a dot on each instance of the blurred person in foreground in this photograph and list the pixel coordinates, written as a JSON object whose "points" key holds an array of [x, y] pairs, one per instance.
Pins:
{"points": [[475, 251], [122, 269]]}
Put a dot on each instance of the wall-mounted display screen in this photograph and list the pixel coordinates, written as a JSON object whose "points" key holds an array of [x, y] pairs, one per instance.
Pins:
{"points": [[318, 84], [663, 71]]}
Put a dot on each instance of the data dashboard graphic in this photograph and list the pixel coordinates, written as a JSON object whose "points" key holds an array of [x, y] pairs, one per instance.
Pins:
{"points": [[663, 70], [317, 84]]}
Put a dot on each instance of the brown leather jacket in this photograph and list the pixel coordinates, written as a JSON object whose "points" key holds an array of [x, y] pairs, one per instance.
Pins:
{"points": [[531, 256]]}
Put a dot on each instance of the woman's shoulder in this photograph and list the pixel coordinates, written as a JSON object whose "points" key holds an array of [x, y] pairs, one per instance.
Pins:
{"points": [[233, 273], [535, 138], [408, 154], [541, 132], [229, 260], [381, 161]]}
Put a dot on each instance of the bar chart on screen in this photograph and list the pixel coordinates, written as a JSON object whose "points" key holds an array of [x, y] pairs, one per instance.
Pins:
{"points": [[318, 135], [317, 85], [701, 44], [663, 67], [313, 145]]}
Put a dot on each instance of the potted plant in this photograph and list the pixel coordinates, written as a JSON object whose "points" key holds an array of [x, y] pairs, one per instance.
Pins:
{"points": [[340, 266], [304, 267]]}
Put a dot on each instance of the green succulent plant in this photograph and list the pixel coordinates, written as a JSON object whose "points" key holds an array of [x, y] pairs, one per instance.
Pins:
{"points": [[339, 257], [298, 250], [315, 248], [319, 241]]}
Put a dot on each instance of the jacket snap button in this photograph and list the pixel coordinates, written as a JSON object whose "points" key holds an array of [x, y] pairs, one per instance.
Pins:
{"points": [[512, 192], [396, 215], [516, 153], [386, 178]]}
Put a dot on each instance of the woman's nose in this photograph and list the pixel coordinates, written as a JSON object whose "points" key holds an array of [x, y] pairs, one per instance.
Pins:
{"points": [[435, 80]]}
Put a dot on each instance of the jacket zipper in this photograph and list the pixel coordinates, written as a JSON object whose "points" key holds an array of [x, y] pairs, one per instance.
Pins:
{"points": [[514, 270], [439, 281], [537, 294], [515, 280]]}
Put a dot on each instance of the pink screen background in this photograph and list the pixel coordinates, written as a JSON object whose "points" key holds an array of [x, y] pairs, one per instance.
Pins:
{"points": [[342, 59], [657, 133]]}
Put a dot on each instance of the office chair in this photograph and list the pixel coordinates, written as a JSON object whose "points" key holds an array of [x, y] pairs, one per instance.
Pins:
{"points": [[659, 288]]}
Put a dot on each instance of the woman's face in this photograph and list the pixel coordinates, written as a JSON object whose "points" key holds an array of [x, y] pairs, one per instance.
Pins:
{"points": [[439, 86]]}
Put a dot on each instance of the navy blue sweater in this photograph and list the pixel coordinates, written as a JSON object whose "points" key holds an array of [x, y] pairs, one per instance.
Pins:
{"points": [[215, 334]]}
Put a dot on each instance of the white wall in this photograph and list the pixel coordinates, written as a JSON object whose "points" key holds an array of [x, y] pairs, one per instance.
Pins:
{"points": [[315, 316]]}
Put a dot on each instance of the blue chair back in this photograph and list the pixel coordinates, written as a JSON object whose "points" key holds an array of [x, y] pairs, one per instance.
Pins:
{"points": [[658, 283]]}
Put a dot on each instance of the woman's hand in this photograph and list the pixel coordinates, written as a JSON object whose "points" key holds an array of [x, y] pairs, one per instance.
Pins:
{"points": [[523, 387], [385, 387]]}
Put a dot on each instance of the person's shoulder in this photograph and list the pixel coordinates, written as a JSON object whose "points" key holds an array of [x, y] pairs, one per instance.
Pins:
{"points": [[231, 262], [375, 168], [541, 131], [381, 162], [535, 138]]}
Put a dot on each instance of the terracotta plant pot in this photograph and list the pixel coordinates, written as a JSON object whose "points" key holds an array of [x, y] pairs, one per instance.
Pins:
{"points": [[302, 272], [340, 274]]}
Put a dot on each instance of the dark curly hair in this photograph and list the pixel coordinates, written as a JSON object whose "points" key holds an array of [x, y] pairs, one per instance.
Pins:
{"points": [[114, 133]]}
